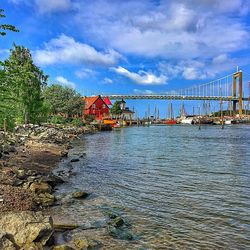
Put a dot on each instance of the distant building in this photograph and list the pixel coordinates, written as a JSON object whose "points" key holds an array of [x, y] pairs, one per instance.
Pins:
{"points": [[96, 107], [126, 114]]}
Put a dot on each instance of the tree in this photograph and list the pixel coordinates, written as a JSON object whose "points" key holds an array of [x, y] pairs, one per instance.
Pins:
{"points": [[116, 109], [7, 103], [4, 27], [63, 100], [26, 81]]}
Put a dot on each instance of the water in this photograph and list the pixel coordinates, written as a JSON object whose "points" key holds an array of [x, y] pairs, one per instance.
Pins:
{"points": [[180, 187]]}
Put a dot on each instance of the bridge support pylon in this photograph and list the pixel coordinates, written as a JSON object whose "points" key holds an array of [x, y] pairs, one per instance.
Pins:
{"points": [[237, 76]]}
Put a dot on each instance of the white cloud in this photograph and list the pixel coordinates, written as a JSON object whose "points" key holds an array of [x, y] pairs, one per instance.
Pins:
{"points": [[142, 77], [49, 6], [220, 59], [65, 49], [64, 82], [170, 30], [198, 69], [107, 80], [85, 73]]}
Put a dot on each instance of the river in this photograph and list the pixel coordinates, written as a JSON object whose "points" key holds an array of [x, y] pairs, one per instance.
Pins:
{"points": [[178, 186]]}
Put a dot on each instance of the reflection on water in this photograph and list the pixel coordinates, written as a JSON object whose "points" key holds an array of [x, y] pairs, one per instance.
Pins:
{"points": [[182, 188]]}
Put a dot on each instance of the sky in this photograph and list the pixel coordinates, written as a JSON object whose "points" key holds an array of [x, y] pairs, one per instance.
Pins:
{"points": [[131, 47]]}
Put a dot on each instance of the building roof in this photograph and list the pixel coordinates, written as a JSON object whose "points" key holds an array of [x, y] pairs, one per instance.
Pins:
{"points": [[107, 101], [127, 111], [89, 101]]}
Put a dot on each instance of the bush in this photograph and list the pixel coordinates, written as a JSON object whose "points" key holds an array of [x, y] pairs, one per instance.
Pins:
{"points": [[89, 118], [57, 119], [77, 122]]}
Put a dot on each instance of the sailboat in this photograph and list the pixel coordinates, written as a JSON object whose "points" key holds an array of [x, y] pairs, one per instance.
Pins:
{"points": [[170, 120], [184, 119]]}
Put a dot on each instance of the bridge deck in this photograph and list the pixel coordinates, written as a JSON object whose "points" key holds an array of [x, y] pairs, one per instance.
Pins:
{"points": [[175, 97]]}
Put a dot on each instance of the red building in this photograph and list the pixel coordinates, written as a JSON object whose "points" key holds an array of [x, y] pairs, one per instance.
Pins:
{"points": [[97, 107]]}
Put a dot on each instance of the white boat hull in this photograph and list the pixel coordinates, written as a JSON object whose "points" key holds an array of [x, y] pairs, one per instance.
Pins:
{"points": [[187, 121]]}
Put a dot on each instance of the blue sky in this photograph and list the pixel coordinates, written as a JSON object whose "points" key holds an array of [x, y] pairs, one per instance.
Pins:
{"points": [[131, 47]]}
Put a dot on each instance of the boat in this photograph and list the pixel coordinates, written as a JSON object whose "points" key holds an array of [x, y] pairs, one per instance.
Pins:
{"points": [[171, 120], [187, 120], [203, 120], [109, 121], [228, 122], [117, 125]]}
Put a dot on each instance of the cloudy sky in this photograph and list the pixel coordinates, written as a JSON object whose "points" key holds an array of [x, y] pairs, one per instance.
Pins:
{"points": [[133, 46]]}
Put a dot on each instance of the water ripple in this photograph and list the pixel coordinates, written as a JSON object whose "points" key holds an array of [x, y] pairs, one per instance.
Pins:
{"points": [[182, 188]]}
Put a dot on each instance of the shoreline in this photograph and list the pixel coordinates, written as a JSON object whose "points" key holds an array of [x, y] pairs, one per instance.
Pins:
{"points": [[27, 183]]}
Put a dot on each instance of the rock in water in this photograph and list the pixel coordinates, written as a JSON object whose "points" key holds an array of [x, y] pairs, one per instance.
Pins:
{"points": [[26, 228], [45, 199], [117, 222], [75, 160], [80, 195]]}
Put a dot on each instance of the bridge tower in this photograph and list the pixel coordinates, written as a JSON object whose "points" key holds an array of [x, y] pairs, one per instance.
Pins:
{"points": [[237, 77]]}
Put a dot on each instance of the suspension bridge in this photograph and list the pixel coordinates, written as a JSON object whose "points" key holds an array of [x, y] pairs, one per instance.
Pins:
{"points": [[228, 88]]}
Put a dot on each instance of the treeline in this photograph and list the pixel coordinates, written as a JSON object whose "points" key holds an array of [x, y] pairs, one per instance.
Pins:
{"points": [[25, 96]]}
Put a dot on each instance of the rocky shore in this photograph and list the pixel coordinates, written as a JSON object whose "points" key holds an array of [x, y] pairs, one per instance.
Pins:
{"points": [[27, 158]]}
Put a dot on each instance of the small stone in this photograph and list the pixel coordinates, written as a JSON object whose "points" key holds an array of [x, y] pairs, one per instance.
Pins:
{"points": [[31, 172], [62, 247], [12, 149], [21, 174], [64, 226], [33, 246], [82, 155], [81, 243], [45, 199], [31, 178], [120, 233], [117, 222], [18, 183], [112, 215], [42, 187], [75, 160], [64, 153], [80, 195], [6, 243]]}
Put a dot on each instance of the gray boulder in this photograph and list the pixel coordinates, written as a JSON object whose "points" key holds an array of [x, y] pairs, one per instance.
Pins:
{"points": [[25, 228]]}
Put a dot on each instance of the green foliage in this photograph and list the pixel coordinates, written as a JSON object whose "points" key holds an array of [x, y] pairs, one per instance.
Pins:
{"points": [[89, 118], [21, 84], [5, 27], [63, 100], [116, 109], [57, 119], [77, 122]]}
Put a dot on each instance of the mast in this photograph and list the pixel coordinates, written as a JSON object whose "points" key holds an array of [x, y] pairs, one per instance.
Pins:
{"points": [[221, 111], [148, 111], [171, 111]]}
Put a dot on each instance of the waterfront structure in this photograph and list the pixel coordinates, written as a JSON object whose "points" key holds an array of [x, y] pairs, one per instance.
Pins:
{"points": [[96, 106], [126, 114]]}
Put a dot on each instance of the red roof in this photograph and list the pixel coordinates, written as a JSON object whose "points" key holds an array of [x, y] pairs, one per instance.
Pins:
{"points": [[89, 101], [107, 101]]}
